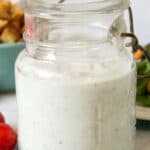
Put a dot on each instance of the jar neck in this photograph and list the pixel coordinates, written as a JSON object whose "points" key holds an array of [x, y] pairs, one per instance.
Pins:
{"points": [[74, 51], [74, 38], [72, 28]]}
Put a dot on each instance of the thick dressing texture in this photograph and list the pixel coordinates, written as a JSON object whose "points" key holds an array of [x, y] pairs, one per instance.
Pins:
{"points": [[83, 112]]}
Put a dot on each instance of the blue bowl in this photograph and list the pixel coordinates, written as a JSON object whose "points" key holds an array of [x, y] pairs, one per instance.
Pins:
{"points": [[8, 55]]}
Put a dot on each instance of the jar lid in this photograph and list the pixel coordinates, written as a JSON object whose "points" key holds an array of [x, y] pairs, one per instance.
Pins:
{"points": [[80, 1], [73, 6]]}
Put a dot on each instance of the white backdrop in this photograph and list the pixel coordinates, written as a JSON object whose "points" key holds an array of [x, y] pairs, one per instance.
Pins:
{"points": [[142, 19]]}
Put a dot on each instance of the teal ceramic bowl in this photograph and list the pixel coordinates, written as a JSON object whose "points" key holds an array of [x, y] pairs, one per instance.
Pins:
{"points": [[8, 55]]}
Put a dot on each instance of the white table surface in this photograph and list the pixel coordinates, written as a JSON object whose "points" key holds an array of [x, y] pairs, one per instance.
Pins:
{"points": [[9, 108]]}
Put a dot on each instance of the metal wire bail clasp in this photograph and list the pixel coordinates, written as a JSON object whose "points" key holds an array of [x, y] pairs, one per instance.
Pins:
{"points": [[135, 42]]}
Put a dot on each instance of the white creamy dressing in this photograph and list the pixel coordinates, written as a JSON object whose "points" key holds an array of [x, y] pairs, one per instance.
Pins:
{"points": [[80, 107]]}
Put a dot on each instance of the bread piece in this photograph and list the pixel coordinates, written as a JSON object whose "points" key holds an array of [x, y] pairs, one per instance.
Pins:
{"points": [[16, 12], [9, 35]]}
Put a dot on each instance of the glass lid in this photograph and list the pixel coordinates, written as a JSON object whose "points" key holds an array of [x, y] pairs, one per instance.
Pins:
{"points": [[77, 5]]}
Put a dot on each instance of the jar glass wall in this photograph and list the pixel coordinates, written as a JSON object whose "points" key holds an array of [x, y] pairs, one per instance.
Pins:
{"points": [[75, 79]]}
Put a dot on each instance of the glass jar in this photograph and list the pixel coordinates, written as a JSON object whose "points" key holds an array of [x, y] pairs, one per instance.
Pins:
{"points": [[76, 79]]}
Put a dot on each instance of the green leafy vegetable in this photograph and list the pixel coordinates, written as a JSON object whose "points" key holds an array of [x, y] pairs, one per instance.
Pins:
{"points": [[142, 86], [143, 100], [143, 68], [143, 95]]}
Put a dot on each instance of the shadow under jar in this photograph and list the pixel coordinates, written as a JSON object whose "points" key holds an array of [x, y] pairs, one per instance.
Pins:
{"points": [[76, 79]]}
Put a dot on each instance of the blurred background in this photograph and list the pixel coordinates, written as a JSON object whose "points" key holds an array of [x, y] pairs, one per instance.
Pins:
{"points": [[142, 19]]}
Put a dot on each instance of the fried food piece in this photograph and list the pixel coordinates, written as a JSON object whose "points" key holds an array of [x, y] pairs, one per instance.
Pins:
{"points": [[9, 35], [3, 24], [5, 7], [16, 25], [4, 14], [11, 22], [16, 12], [6, 4]]}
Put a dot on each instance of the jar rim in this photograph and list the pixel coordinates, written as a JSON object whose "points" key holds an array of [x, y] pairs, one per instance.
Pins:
{"points": [[96, 6]]}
